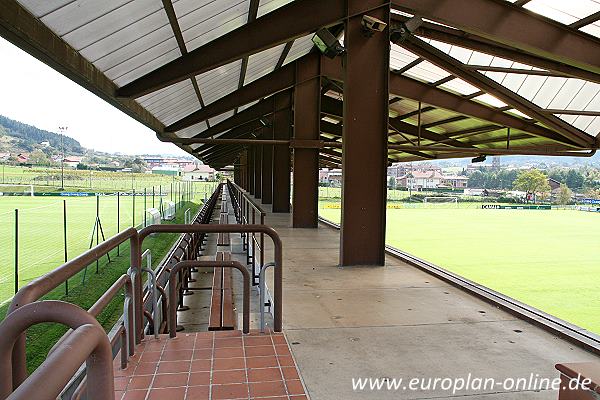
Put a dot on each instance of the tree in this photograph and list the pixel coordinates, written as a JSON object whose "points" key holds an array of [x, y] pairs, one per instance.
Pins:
{"points": [[564, 194], [38, 157], [391, 182], [532, 182], [574, 179], [476, 180]]}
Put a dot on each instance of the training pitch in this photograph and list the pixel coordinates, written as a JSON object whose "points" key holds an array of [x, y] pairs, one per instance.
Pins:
{"points": [[549, 259], [40, 234]]}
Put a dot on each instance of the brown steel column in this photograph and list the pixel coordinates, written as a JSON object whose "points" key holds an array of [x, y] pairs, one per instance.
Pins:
{"points": [[282, 128], [251, 169], [307, 103], [257, 171], [365, 128], [267, 167], [244, 170]]}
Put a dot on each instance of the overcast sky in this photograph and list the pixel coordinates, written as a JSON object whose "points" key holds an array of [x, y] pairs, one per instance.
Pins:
{"points": [[33, 93]]}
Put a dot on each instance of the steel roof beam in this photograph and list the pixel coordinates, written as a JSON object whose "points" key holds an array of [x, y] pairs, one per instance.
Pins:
{"points": [[505, 23], [488, 85], [460, 38], [252, 11], [288, 22], [416, 90], [590, 19], [274, 82], [258, 110], [333, 106]]}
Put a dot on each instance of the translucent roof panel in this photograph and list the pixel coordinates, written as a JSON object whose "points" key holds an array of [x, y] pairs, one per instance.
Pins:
{"points": [[260, 64], [567, 12], [204, 21], [220, 118], [300, 47], [172, 103], [245, 106], [266, 6], [192, 130], [219, 82], [124, 39]]}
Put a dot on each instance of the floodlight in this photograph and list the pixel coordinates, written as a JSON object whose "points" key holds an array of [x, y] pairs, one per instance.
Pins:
{"points": [[327, 43], [480, 158]]}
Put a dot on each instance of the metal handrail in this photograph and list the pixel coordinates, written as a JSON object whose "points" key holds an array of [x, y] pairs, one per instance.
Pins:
{"points": [[152, 290], [246, 209], [124, 281], [262, 292], [88, 343], [208, 264], [37, 288], [233, 228]]}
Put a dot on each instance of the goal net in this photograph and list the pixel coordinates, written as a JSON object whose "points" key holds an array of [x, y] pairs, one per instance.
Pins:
{"points": [[440, 199]]}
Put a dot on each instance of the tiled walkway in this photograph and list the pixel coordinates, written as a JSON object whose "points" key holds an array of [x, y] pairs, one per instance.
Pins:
{"points": [[211, 365]]}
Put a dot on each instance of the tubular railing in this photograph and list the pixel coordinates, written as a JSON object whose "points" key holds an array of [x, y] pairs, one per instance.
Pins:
{"points": [[247, 212], [234, 228], [87, 343], [37, 288], [88, 340], [208, 264]]}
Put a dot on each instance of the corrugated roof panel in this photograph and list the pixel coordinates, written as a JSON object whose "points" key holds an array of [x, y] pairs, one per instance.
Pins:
{"points": [[459, 86], [120, 18], [144, 63], [490, 100], [300, 47], [266, 6], [426, 71], [565, 12], [41, 8], [192, 130], [260, 64], [134, 39], [245, 106], [155, 99], [219, 82], [400, 57], [568, 91], [220, 118], [549, 90], [173, 107], [203, 21], [583, 97], [79, 13]]}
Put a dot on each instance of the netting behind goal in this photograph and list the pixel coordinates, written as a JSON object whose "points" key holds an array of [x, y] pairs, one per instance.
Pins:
{"points": [[440, 199]]}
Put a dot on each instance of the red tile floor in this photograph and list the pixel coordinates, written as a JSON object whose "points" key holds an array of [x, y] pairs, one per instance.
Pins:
{"points": [[210, 365]]}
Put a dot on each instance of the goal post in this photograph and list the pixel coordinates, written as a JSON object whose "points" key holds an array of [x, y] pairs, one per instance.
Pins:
{"points": [[440, 200], [18, 189]]}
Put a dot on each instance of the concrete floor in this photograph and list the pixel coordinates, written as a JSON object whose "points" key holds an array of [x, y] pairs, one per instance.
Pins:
{"points": [[399, 322], [388, 322]]}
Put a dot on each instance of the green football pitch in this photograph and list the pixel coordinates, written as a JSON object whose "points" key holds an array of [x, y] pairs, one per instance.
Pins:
{"points": [[547, 259], [40, 230]]}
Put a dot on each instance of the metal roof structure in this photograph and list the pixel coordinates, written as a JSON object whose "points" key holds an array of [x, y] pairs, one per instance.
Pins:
{"points": [[502, 82]]}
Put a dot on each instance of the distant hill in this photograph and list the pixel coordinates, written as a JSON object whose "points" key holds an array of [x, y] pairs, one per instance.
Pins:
{"points": [[17, 137]]}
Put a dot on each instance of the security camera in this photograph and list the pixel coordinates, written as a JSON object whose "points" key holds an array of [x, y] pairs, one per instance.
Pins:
{"points": [[372, 24]]}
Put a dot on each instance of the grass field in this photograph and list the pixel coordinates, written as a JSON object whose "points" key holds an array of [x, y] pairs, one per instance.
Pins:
{"points": [[41, 244], [547, 259]]}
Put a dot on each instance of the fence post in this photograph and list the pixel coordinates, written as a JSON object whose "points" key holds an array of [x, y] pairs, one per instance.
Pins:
{"points": [[65, 242], [145, 208], [133, 213], [16, 250], [97, 228], [118, 219], [152, 196]]}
